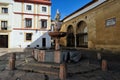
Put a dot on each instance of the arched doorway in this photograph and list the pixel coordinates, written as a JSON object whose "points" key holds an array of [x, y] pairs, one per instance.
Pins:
{"points": [[70, 36], [82, 34]]}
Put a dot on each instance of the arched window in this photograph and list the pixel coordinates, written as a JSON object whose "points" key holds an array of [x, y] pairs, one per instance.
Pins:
{"points": [[82, 34], [85, 36], [70, 36]]}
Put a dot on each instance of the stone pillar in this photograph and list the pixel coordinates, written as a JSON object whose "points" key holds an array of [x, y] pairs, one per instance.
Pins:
{"points": [[75, 42], [57, 56], [41, 56], [57, 45], [90, 45], [63, 71], [12, 61], [104, 65], [33, 52]]}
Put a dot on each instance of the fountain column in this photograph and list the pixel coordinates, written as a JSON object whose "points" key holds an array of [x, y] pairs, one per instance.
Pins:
{"points": [[57, 45]]}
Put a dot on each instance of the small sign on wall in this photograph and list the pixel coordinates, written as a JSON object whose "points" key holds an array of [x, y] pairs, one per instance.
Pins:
{"points": [[111, 22], [21, 33]]}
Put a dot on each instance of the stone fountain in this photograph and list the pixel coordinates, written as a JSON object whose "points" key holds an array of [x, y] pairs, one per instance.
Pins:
{"points": [[56, 55], [56, 34]]}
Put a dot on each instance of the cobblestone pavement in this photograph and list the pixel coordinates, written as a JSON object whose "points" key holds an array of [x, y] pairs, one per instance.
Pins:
{"points": [[87, 69]]}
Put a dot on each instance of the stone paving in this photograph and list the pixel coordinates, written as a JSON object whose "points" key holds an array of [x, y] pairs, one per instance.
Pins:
{"points": [[87, 69]]}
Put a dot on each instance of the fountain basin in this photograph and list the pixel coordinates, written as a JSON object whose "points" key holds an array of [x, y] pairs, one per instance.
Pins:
{"points": [[53, 56], [57, 34]]}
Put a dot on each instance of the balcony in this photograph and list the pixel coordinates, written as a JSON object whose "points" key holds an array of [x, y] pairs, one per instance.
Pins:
{"points": [[6, 29]]}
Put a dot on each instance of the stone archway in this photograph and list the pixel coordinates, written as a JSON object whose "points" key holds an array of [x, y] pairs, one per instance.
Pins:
{"points": [[82, 34], [70, 36]]}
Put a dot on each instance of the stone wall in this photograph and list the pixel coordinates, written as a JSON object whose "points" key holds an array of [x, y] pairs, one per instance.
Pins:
{"points": [[99, 34], [108, 36]]}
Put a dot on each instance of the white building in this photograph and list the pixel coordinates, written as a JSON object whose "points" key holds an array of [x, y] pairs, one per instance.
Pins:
{"points": [[25, 23]]}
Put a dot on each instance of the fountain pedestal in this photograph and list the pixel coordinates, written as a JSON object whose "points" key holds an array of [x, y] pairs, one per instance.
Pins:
{"points": [[57, 45], [57, 53], [57, 56]]}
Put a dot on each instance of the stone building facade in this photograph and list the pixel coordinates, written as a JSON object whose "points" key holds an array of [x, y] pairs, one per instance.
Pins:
{"points": [[95, 25]]}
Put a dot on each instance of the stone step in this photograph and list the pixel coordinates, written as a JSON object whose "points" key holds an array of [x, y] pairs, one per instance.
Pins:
{"points": [[43, 64], [39, 69], [82, 68]]}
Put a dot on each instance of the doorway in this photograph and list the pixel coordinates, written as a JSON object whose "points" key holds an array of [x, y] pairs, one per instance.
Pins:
{"points": [[3, 41], [43, 42]]}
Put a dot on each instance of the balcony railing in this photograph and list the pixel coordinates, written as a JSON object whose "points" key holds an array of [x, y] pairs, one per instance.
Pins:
{"points": [[6, 28]]}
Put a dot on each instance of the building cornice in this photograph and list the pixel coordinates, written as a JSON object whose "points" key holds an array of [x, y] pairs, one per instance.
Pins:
{"points": [[31, 14], [46, 2], [42, 29], [84, 9]]}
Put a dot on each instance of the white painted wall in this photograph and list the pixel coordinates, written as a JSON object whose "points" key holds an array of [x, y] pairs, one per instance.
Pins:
{"points": [[6, 1], [8, 16], [17, 7], [17, 39], [4, 17], [17, 21]]}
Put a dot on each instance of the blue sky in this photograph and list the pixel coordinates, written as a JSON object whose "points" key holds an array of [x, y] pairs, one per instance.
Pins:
{"points": [[66, 7]]}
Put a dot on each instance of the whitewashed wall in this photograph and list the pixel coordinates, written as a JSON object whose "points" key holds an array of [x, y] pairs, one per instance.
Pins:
{"points": [[17, 7], [17, 39], [9, 16], [6, 1]]}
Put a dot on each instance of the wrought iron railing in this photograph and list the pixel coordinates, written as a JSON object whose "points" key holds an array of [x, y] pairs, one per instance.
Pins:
{"points": [[6, 28]]}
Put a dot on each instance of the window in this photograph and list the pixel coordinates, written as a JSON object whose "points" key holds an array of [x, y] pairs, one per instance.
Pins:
{"points": [[28, 7], [37, 45], [4, 25], [85, 39], [28, 22], [44, 23], [28, 36], [4, 10], [28, 45], [44, 9]]}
